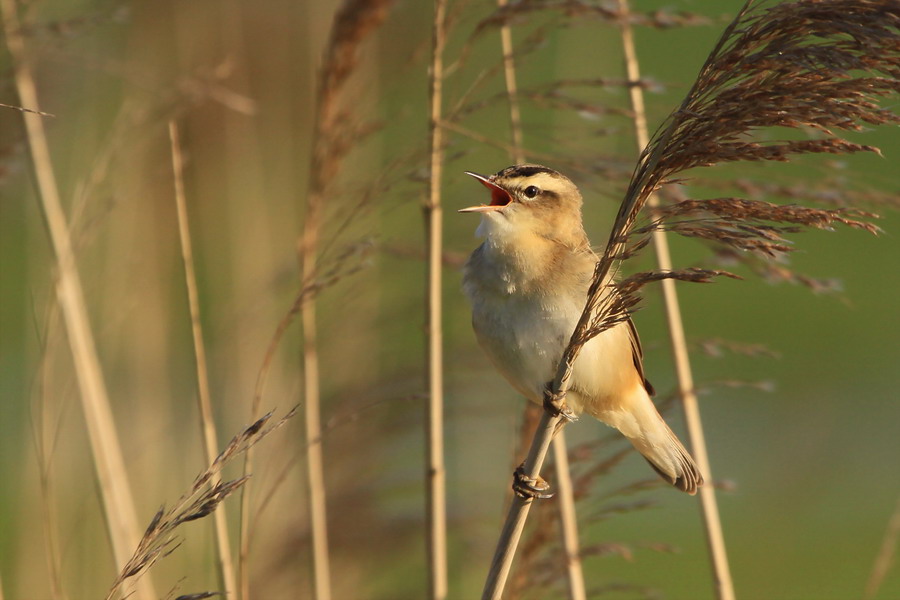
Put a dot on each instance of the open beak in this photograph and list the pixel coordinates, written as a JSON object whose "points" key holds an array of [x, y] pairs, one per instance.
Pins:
{"points": [[499, 197]]}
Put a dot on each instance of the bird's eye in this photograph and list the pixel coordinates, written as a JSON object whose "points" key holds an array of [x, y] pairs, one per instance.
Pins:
{"points": [[532, 191]]}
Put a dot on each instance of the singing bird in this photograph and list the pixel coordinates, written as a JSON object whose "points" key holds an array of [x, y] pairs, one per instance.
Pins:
{"points": [[527, 284]]}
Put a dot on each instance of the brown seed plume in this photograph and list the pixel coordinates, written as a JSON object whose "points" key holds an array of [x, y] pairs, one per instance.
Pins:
{"points": [[820, 66]]}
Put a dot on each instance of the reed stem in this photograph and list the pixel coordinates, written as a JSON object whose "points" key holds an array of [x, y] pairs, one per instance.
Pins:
{"points": [[511, 533], [512, 89], [109, 464], [715, 539], [568, 523], [314, 467], [564, 496], [207, 420], [435, 474]]}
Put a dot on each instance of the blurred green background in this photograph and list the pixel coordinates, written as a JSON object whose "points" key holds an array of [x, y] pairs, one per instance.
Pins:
{"points": [[813, 464]]}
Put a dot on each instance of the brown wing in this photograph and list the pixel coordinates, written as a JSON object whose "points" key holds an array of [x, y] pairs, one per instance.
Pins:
{"points": [[637, 354]]}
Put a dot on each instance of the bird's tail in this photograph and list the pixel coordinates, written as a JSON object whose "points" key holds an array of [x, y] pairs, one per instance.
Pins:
{"points": [[666, 454], [640, 422]]}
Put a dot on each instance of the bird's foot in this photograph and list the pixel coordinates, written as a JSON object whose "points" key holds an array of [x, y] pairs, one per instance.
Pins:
{"points": [[555, 404], [529, 487]]}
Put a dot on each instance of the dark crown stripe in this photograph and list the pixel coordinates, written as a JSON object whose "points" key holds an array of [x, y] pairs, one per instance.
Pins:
{"points": [[525, 171]]}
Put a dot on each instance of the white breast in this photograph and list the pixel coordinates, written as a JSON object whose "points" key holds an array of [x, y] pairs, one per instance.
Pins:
{"points": [[524, 338], [524, 326]]}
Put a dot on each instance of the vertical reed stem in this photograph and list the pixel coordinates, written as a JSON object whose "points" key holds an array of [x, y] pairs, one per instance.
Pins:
{"points": [[352, 22], [435, 474], [512, 89], [716, 542], [207, 421], [518, 511], [314, 469], [567, 520], [109, 465], [564, 496]]}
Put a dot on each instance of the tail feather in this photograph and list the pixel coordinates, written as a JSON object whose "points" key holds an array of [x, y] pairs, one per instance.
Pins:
{"points": [[671, 460], [638, 420]]}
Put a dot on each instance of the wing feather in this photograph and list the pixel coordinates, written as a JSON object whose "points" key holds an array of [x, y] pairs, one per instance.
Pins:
{"points": [[637, 354]]}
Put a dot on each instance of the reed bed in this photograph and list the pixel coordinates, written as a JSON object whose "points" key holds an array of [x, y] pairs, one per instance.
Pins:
{"points": [[310, 136]]}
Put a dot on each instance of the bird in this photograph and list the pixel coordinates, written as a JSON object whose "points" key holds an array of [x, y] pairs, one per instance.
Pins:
{"points": [[527, 284]]}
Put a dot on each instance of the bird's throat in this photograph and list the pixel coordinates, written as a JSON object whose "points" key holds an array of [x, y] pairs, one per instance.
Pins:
{"points": [[521, 259]]}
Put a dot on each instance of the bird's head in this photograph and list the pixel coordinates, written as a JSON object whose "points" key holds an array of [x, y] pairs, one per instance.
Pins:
{"points": [[530, 199]]}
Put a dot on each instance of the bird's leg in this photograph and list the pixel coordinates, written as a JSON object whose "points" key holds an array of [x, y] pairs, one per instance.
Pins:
{"points": [[536, 487], [555, 404], [529, 487]]}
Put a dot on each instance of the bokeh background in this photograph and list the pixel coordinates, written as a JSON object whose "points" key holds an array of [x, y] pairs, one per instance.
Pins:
{"points": [[805, 437]]}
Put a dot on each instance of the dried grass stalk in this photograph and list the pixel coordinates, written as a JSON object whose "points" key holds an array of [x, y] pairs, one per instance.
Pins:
{"points": [[512, 88], [204, 497], [207, 420], [313, 421], [518, 510], [586, 10], [811, 63], [109, 465], [27, 110], [353, 22], [565, 497], [715, 538], [334, 136], [568, 523], [435, 474], [45, 428]]}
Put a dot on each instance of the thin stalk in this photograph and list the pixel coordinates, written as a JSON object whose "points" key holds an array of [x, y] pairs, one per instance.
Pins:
{"points": [[595, 309], [518, 511], [45, 436], [435, 473], [512, 89], [724, 588], [243, 571], [314, 470], [488, 141], [543, 435], [207, 421], [530, 414], [109, 465], [353, 22], [160, 538], [50, 528], [565, 497], [567, 520], [885, 555]]}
